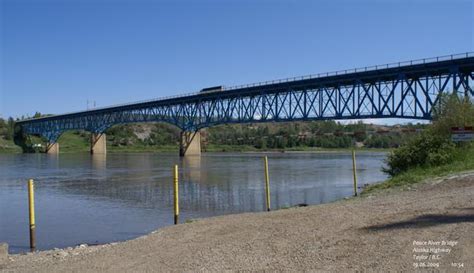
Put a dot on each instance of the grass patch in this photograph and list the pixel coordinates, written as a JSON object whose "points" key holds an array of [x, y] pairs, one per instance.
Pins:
{"points": [[8, 147], [70, 142], [230, 148], [463, 161], [341, 150]]}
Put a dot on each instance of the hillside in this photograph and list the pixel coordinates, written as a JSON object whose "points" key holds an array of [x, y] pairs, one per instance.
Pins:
{"points": [[156, 137]]}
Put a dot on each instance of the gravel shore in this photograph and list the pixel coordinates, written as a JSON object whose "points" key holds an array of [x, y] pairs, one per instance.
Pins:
{"points": [[391, 231]]}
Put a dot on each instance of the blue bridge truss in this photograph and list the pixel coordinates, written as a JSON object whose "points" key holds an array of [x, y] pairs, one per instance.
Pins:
{"points": [[401, 90]]}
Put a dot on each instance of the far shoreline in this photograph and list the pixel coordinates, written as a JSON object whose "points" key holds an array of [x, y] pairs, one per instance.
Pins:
{"points": [[232, 149]]}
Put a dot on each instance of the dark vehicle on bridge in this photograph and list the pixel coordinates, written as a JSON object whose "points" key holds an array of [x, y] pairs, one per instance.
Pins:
{"points": [[212, 89]]}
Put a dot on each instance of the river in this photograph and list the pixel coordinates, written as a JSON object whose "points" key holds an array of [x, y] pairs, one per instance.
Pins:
{"points": [[97, 199]]}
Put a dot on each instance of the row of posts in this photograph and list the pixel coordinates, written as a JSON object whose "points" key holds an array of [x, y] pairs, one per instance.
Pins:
{"points": [[31, 196]]}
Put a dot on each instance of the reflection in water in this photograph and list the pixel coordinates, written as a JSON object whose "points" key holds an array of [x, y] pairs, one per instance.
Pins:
{"points": [[191, 165], [102, 198], [99, 162]]}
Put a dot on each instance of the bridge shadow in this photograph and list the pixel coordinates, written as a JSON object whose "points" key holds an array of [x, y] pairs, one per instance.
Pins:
{"points": [[425, 221]]}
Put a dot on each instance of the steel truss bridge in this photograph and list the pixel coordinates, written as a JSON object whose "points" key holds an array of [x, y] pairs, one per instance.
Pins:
{"points": [[401, 90]]}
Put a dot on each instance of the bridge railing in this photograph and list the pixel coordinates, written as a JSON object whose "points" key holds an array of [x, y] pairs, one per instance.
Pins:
{"points": [[355, 70]]}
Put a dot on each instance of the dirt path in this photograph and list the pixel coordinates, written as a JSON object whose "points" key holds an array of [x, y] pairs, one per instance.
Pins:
{"points": [[369, 234]]}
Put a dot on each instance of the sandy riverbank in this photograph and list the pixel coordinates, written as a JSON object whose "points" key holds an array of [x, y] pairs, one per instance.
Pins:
{"points": [[373, 233]]}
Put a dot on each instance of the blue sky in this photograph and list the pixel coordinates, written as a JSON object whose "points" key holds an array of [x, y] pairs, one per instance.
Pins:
{"points": [[57, 55]]}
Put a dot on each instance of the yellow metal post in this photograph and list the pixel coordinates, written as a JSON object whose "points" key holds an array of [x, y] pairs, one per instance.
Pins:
{"points": [[31, 203], [354, 171], [176, 195], [267, 183]]}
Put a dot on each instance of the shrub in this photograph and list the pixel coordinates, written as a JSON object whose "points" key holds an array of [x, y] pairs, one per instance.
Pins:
{"points": [[433, 147], [425, 149]]}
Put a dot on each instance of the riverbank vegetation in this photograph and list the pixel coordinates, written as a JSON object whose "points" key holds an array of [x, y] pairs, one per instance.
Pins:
{"points": [[294, 136], [309, 135], [6, 136], [432, 153]]}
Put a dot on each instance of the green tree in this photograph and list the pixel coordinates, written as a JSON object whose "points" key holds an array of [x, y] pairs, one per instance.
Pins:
{"points": [[433, 147], [452, 111], [261, 143]]}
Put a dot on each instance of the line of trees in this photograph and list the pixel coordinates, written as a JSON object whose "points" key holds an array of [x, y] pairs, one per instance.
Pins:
{"points": [[325, 134]]}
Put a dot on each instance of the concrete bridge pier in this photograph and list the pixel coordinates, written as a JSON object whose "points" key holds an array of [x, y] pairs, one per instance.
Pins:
{"points": [[190, 143], [52, 148], [98, 144]]}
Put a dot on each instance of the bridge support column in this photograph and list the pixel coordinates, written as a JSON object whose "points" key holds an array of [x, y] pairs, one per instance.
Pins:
{"points": [[98, 144], [190, 143], [52, 148]]}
